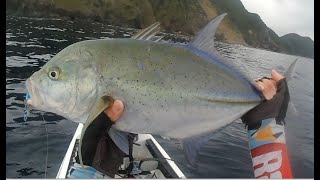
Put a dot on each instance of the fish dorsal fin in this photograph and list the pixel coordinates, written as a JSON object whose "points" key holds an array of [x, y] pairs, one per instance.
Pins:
{"points": [[204, 39], [103, 103], [148, 33]]}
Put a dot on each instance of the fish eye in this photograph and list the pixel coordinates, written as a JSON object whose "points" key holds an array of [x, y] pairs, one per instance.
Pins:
{"points": [[54, 73]]}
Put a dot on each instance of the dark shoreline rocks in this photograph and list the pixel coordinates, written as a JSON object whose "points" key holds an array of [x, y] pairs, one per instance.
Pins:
{"points": [[183, 16]]}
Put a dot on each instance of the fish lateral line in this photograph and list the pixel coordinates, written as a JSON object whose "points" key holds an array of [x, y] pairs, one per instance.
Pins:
{"points": [[225, 100]]}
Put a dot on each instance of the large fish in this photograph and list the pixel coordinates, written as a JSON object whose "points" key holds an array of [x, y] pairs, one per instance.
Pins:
{"points": [[175, 90]]}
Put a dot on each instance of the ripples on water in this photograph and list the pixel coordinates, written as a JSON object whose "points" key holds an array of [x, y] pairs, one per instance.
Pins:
{"points": [[31, 42]]}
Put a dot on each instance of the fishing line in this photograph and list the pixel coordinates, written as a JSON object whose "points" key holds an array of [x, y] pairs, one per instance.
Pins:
{"points": [[47, 136], [25, 117]]}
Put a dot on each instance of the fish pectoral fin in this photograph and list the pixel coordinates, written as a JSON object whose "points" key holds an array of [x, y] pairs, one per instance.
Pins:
{"points": [[103, 103], [120, 138], [192, 145]]}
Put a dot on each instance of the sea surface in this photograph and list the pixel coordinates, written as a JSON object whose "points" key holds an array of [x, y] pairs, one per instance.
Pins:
{"points": [[31, 42]]}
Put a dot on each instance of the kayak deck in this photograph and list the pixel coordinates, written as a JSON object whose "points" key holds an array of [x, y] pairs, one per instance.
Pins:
{"points": [[146, 151]]}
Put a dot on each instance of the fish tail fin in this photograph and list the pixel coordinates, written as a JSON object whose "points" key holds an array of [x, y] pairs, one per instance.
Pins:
{"points": [[192, 145], [290, 70], [289, 76]]}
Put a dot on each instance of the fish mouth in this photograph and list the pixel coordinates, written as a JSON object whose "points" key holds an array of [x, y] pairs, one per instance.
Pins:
{"points": [[31, 89]]}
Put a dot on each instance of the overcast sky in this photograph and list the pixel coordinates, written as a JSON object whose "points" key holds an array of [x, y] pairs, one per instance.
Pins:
{"points": [[285, 16]]}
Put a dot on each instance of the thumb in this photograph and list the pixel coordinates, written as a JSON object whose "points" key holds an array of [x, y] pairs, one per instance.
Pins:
{"points": [[276, 76], [115, 111], [117, 107]]}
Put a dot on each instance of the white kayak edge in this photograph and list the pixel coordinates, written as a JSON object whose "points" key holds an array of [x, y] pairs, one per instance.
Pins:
{"points": [[168, 159], [62, 173], [63, 170]]}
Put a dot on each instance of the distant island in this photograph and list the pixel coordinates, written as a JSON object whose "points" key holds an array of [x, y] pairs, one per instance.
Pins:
{"points": [[183, 16]]}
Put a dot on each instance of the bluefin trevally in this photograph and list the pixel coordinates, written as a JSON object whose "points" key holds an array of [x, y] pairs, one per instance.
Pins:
{"points": [[182, 91]]}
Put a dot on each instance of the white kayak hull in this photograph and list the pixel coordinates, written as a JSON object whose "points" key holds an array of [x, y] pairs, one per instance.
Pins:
{"points": [[139, 153]]}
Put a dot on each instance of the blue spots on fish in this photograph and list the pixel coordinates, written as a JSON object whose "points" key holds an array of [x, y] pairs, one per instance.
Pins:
{"points": [[140, 66]]}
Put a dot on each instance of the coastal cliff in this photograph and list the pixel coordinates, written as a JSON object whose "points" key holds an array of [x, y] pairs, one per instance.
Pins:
{"points": [[182, 16]]}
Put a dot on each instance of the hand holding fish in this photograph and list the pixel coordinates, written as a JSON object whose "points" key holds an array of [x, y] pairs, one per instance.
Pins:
{"points": [[258, 138], [268, 86], [266, 132], [154, 79]]}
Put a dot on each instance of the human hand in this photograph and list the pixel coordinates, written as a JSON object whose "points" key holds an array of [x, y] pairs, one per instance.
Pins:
{"points": [[115, 111], [268, 87], [266, 132], [276, 94]]}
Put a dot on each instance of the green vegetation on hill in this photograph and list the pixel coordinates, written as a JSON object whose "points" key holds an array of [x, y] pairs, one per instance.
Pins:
{"points": [[297, 45], [184, 16], [253, 29]]}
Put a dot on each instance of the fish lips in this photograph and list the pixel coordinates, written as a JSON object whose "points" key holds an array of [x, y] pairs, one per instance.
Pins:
{"points": [[32, 90]]}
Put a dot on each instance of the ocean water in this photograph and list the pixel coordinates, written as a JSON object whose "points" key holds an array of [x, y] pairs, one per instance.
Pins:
{"points": [[31, 42]]}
